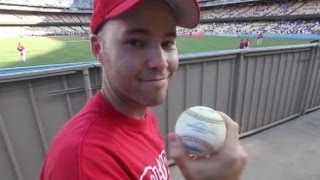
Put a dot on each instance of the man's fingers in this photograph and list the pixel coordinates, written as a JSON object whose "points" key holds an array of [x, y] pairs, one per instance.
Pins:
{"points": [[232, 135], [234, 152], [177, 151]]}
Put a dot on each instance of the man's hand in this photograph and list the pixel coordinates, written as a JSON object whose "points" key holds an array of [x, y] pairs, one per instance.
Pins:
{"points": [[226, 164]]}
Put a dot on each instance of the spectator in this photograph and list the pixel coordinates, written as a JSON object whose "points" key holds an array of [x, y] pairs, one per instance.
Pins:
{"points": [[242, 44], [116, 136], [247, 43]]}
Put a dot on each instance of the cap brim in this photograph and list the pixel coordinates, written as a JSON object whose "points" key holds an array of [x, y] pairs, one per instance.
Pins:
{"points": [[187, 12]]}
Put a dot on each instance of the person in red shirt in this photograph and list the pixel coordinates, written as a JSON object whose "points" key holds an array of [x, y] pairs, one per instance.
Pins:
{"points": [[22, 51], [242, 44], [116, 135], [247, 43]]}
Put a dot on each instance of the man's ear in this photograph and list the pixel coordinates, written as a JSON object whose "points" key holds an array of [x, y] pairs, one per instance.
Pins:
{"points": [[96, 47]]}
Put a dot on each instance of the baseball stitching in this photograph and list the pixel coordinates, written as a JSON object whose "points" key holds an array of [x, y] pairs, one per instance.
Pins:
{"points": [[200, 141], [202, 118]]}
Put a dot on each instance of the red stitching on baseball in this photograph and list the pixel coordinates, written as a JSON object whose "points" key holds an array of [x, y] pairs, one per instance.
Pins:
{"points": [[202, 118], [200, 141]]}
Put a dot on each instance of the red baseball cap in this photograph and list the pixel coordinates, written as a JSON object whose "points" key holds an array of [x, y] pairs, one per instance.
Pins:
{"points": [[187, 11]]}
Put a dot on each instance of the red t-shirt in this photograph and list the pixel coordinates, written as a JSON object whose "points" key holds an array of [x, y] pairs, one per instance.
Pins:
{"points": [[246, 44], [242, 45], [100, 143]]}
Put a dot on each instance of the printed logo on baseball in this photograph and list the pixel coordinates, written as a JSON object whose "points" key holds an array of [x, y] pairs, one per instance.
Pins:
{"points": [[201, 129]]}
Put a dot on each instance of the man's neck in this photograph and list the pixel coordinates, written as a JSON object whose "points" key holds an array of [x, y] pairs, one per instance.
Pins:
{"points": [[123, 105]]}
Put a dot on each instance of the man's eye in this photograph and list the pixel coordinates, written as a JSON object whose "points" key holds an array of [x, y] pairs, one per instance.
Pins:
{"points": [[168, 44], [135, 43]]}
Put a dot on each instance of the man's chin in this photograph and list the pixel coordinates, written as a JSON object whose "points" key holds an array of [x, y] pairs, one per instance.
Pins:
{"points": [[155, 101]]}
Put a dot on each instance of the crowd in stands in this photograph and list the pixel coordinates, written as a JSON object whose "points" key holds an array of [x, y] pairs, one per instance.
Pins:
{"points": [[281, 27], [272, 8], [68, 24], [79, 21], [73, 4], [260, 10], [312, 7], [12, 18], [8, 31]]}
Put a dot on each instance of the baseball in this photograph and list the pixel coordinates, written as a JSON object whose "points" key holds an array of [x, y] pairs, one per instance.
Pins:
{"points": [[201, 129]]}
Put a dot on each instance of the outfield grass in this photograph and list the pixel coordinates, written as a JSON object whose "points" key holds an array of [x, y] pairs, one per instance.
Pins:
{"points": [[200, 44], [44, 50], [56, 50]]}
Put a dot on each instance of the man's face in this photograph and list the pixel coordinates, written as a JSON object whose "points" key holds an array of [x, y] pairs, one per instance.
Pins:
{"points": [[139, 54]]}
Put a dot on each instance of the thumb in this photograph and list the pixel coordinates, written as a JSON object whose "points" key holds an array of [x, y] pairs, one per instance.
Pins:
{"points": [[176, 147], [177, 151]]}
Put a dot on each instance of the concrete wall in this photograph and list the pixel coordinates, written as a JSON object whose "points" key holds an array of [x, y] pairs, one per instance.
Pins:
{"points": [[258, 88]]}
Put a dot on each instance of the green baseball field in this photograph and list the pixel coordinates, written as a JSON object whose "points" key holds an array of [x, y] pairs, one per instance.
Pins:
{"points": [[57, 50]]}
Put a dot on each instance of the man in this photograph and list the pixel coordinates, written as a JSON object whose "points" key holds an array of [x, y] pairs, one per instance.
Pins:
{"points": [[242, 44], [247, 43], [259, 38], [22, 51], [116, 136]]}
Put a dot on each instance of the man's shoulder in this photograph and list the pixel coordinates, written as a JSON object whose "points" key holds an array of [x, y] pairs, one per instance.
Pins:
{"points": [[77, 147], [72, 131]]}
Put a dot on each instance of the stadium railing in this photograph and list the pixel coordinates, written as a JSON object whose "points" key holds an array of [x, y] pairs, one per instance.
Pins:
{"points": [[259, 88]]}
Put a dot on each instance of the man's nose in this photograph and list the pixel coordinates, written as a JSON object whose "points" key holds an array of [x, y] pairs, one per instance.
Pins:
{"points": [[157, 58]]}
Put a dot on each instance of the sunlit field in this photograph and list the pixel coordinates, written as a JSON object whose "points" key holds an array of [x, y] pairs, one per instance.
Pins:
{"points": [[57, 50]]}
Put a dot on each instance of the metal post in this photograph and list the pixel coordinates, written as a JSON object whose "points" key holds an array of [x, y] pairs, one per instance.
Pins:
{"points": [[186, 104], [202, 82], [316, 86], [67, 96], [87, 83], [238, 81], [306, 81], [264, 120], [10, 149], [38, 118]]}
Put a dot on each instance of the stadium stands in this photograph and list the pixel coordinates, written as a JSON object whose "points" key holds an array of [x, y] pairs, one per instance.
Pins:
{"points": [[77, 4], [71, 17], [43, 18], [17, 23], [311, 7], [9, 31], [242, 28], [263, 9], [215, 15]]}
